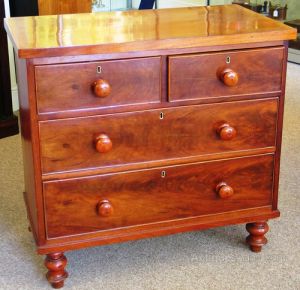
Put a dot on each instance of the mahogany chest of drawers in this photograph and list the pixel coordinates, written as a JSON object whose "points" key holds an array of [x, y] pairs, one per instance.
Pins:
{"points": [[145, 123]]}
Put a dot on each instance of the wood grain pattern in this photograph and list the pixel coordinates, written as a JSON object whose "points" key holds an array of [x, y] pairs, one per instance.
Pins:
{"points": [[145, 196], [132, 81], [47, 7], [142, 30], [144, 136], [259, 71]]}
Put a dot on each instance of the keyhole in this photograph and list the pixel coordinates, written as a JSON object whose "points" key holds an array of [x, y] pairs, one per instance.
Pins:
{"points": [[228, 60], [163, 174], [161, 116], [99, 69]]}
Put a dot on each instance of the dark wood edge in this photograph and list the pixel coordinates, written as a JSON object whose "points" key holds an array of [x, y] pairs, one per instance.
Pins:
{"points": [[164, 80], [279, 129], [9, 127], [158, 229]]}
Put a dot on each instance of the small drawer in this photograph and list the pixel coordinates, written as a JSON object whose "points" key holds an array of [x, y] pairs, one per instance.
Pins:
{"points": [[126, 138], [233, 73], [104, 202], [65, 87]]}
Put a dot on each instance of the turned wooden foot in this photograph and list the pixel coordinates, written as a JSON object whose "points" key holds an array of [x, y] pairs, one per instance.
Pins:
{"points": [[56, 264], [257, 238]]}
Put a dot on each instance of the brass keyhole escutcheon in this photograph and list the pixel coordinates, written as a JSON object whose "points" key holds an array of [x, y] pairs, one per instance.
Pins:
{"points": [[163, 174], [161, 116], [228, 60], [99, 69]]}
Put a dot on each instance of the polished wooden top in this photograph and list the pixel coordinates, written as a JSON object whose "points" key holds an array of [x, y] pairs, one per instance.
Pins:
{"points": [[108, 32]]}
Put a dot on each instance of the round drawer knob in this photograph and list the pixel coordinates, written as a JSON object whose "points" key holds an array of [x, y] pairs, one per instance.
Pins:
{"points": [[103, 143], [224, 190], [226, 132], [104, 208], [229, 77], [102, 88]]}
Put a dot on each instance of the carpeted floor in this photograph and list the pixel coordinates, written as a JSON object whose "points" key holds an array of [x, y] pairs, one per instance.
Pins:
{"points": [[212, 259]]}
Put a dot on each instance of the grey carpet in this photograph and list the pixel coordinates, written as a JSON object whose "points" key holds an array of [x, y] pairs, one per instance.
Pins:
{"points": [[211, 259]]}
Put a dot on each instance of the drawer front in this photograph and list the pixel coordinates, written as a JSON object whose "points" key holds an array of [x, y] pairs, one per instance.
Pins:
{"points": [[97, 84], [105, 202], [103, 141], [227, 74]]}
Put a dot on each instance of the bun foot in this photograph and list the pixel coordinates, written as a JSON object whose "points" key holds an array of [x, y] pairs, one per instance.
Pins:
{"points": [[56, 264], [257, 238]]}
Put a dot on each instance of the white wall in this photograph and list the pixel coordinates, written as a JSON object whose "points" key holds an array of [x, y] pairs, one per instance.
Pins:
{"points": [[14, 88]]}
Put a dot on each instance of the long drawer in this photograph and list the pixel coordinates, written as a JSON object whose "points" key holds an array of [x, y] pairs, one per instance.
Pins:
{"points": [[103, 202], [102, 141], [90, 85], [225, 74]]}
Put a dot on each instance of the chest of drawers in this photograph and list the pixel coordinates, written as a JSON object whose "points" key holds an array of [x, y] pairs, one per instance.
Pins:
{"points": [[141, 124]]}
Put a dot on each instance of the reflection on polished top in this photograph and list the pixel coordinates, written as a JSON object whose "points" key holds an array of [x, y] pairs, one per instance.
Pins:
{"points": [[135, 30]]}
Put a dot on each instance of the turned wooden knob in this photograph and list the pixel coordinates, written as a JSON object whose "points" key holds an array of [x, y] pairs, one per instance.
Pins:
{"points": [[104, 208], [101, 88], [226, 132], [224, 190], [103, 143], [229, 77]]}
